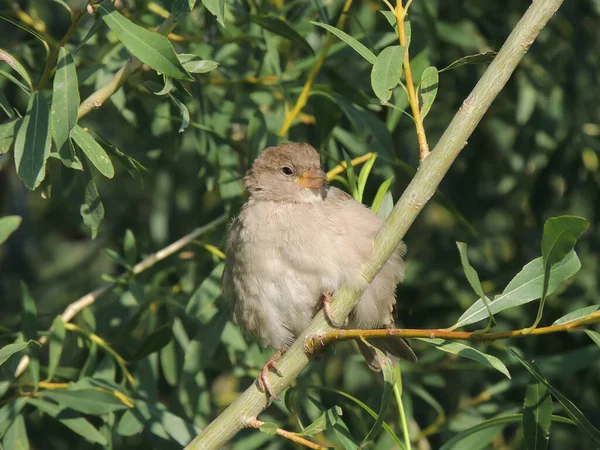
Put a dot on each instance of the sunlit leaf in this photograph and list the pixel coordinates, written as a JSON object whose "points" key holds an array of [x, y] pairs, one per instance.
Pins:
{"points": [[8, 225], [150, 47], [32, 145], [381, 191], [16, 66], [94, 151], [387, 71], [577, 315], [217, 9], [428, 88], [8, 350], [479, 58], [92, 210], [537, 416]]}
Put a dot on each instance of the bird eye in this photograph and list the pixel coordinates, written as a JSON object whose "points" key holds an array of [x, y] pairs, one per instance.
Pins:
{"points": [[287, 171]]}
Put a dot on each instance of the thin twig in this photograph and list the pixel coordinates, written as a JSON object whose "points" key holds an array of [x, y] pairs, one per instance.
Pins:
{"points": [[423, 186], [301, 102], [74, 308], [255, 423], [317, 342], [97, 99], [400, 13]]}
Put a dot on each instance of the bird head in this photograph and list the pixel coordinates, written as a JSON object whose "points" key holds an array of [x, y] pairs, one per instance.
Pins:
{"points": [[290, 172]]}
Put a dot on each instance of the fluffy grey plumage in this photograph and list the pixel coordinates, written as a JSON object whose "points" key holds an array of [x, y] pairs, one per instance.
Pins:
{"points": [[297, 238]]}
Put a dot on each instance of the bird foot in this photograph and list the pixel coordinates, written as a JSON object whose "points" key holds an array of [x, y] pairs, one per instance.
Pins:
{"points": [[263, 381], [326, 300]]}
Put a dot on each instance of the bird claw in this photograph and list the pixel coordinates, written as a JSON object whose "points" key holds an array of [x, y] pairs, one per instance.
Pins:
{"points": [[326, 300], [263, 381]]}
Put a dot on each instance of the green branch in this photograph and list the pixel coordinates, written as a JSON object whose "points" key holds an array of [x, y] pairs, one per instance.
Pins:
{"points": [[431, 172]]}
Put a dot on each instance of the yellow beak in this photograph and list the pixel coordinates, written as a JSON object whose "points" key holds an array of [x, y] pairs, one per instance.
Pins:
{"points": [[313, 178]]}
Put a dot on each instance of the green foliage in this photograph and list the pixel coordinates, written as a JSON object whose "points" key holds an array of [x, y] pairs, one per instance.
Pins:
{"points": [[114, 129]]}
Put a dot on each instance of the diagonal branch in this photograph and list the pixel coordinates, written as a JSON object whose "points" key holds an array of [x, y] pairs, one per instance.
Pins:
{"points": [[431, 172]]}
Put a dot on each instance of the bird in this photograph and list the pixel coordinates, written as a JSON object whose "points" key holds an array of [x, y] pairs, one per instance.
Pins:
{"points": [[295, 242]]}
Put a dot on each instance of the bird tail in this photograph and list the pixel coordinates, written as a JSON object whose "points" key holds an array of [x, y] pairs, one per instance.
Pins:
{"points": [[393, 347]]}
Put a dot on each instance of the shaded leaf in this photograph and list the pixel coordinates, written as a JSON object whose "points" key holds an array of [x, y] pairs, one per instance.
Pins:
{"points": [[130, 423], [473, 278], [181, 8], [8, 350], [185, 113], [387, 71], [327, 420], [70, 419], [87, 401], [155, 341], [537, 415], [381, 191], [92, 210], [94, 151], [57, 342], [65, 106], [29, 327], [387, 204], [465, 351], [129, 247], [276, 25], [428, 88], [525, 287], [16, 435], [572, 411], [195, 64], [8, 225], [151, 48], [8, 413], [16, 66], [352, 42], [8, 130], [594, 336], [32, 145], [204, 344]]}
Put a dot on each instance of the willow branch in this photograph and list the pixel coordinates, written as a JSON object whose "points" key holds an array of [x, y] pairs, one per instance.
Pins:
{"points": [[88, 299], [301, 102], [400, 13], [431, 172], [319, 341], [97, 99]]}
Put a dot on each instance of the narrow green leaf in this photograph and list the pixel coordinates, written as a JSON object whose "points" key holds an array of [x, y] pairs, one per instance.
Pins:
{"points": [[381, 191], [363, 176], [351, 176], [155, 341], [456, 443], [65, 105], [185, 113], [92, 210], [29, 327], [16, 66], [473, 279], [28, 30], [8, 131], [572, 411], [201, 305], [204, 344], [8, 350], [388, 388], [537, 416], [325, 421], [93, 151], [195, 64], [32, 145], [8, 413], [16, 435], [479, 58], [87, 401], [217, 9], [8, 225], [57, 342], [151, 48], [130, 247], [387, 204], [594, 336], [345, 436], [70, 419], [387, 71], [281, 28], [269, 428], [525, 287], [352, 42], [131, 422], [179, 429], [428, 88], [181, 8], [464, 351], [576, 315]]}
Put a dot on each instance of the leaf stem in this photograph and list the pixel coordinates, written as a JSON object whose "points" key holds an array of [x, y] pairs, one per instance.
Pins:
{"points": [[255, 423], [318, 341], [400, 14], [302, 99]]}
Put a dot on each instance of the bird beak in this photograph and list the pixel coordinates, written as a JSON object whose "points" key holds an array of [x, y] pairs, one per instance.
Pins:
{"points": [[313, 178]]}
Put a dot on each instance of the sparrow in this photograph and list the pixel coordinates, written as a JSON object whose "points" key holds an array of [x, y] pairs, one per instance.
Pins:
{"points": [[296, 241]]}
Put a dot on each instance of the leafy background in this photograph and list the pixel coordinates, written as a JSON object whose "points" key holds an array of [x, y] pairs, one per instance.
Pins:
{"points": [[156, 358]]}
